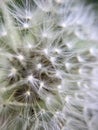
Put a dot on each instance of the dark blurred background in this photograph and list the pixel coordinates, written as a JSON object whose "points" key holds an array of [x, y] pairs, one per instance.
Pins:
{"points": [[92, 1]]}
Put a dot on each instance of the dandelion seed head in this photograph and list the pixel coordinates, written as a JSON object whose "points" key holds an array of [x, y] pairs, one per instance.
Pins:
{"points": [[48, 68]]}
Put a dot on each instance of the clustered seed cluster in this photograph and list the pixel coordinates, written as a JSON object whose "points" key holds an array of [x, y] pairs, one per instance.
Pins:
{"points": [[48, 65]]}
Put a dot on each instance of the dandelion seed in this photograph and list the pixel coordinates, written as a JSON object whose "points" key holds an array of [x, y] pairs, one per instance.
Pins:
{"points": [[30, 78], [25, 25], [13, 72], [39, 66], [93, 51], [57, 50], [58, 74], [68, 65], [41, 84], [80, 59], [53, 60], [69, 45], [63, 25], [45, 51], [29, 46], [60, 88], [27, 93], [20, 57]]}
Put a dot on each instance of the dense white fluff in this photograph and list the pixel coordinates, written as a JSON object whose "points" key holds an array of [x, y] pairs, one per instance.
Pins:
{"points": [[48, 65]]}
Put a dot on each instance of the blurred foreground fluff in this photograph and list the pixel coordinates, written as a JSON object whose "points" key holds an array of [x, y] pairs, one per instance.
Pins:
{"points": [[48, 65]]}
